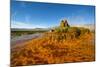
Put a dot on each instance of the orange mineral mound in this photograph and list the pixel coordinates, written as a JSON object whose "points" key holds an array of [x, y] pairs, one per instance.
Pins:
{"points": [[62, 45], [54, 48]]}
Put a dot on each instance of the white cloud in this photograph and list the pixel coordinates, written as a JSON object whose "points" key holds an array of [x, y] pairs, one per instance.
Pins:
{"points": [[15, 24]]}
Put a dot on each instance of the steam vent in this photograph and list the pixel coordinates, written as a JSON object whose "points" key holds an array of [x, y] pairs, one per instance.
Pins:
{"points": [[64, 23]]}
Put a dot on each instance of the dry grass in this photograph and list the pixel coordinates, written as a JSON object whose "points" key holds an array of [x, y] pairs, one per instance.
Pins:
{"points": [[55, 48]]}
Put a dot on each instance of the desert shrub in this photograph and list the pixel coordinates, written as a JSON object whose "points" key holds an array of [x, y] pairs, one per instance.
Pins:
{"points": [[74, 32], [61, 29], [65, 29], [68, 33], [84, 30]]}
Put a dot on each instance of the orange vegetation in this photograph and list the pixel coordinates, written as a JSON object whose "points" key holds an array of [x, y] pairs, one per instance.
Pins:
{"points": [[54, 48]]}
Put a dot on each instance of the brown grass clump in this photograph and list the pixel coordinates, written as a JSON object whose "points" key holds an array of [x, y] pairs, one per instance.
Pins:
{"points": [[75, 45]]}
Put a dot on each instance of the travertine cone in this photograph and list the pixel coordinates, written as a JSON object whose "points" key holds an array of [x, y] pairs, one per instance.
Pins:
{"points": [[64, 23]]}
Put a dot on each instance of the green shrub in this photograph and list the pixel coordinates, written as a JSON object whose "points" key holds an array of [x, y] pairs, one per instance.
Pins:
{"points": [[61, 30], [70, 32], [74, 32]]}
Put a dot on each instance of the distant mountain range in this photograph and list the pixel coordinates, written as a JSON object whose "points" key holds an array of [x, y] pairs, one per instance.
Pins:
{"points": [[89, 26], [25, 29]]}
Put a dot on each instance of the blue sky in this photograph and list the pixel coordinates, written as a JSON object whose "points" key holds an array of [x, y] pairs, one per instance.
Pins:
{"points": [[44, 15]]}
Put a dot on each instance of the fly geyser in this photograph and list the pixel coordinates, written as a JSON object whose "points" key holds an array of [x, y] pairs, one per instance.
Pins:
{"points": [[64, 23]]}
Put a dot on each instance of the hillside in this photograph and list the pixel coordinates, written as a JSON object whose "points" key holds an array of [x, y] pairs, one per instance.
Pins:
{"points": [[64, 44]]}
